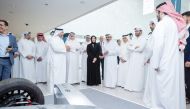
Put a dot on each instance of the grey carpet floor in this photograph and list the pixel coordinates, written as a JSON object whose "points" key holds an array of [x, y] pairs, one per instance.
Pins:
{"points": [[106, 101]]}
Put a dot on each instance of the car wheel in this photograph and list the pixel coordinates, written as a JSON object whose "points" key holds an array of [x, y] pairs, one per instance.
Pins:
{"points": [[19, 92]]}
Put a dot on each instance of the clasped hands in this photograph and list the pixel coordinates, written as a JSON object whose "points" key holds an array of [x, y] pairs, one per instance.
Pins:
{"points": [[187, 64], [94, 60], [39, 59], [68, 48], [102, 56], [29, 57], [122, 60]]}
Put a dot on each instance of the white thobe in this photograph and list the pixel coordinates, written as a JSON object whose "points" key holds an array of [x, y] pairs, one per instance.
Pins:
{"points": [[27, 67], [148, 72], [168, 84], [135, 75], [84, 61], [56, 62], [110, 64], [41, 66], [123, 67], [73, 62], [16, 67]]}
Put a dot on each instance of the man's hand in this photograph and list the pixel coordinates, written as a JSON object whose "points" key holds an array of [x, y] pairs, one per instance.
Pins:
{"points": [[106, 53], [122, 60], [187, 64], [101, 57], [136, 47], [157, 69], [147, 62], [16, 55], [39, 59], [68, 48], [9, 49], [29, 57]]}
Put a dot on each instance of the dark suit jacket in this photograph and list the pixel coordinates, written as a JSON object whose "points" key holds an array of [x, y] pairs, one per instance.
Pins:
{"points": [[101, 48], [12, 43], [187, 48]]}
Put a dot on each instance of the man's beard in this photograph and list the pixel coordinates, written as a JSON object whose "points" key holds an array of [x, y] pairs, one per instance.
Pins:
{"points": [[187, 22], [158, 17], [152, 29]]}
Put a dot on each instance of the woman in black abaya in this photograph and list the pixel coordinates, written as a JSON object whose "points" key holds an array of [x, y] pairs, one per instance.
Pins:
{"points": [[93, 62]]}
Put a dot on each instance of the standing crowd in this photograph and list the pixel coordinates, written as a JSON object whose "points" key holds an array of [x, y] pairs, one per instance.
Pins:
{"points": [[152, 63]]}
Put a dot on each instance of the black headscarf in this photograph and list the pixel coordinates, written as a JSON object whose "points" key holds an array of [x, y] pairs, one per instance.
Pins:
{"points": [[91, 39]]}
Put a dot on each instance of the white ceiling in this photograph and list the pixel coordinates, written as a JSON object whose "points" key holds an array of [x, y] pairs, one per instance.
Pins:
{"points": [[117, 19], [41, 17]]}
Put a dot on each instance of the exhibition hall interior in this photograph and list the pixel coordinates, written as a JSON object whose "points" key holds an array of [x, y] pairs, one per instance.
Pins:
{"points": [[94, 54]]}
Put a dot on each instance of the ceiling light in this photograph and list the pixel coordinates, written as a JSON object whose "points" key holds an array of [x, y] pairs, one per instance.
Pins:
{"points": [[46, 4], [82, 2]]}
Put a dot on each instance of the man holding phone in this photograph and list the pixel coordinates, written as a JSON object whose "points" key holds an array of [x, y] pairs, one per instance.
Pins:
{"points": [[8, 47]]}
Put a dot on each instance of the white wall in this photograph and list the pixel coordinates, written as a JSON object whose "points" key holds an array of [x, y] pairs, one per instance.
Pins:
{"points": [[117, 18], [185, 5]]}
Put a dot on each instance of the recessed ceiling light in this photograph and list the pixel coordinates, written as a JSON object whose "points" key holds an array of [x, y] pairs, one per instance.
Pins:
{"points": [[82, 2], [46, 4]]}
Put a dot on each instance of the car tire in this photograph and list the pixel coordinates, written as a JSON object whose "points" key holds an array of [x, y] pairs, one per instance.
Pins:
{"points": [[17, 84]]}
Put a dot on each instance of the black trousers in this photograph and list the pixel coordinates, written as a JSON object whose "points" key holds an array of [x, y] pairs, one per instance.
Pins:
{"points": [[118, 59], [102, 66], [187, 82]]}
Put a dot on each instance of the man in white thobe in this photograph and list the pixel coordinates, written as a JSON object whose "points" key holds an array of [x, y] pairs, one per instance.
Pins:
{"points": [[166, 60], [84, 58], [124, 61], [16, 66], [56, 60], [73, 48], [135, 76], [111, 52], [148, 69], [27, 52], [41, 59]]}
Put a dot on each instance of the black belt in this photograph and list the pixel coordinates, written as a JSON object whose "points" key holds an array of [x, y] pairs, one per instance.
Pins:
{"points": [[4, 57]]}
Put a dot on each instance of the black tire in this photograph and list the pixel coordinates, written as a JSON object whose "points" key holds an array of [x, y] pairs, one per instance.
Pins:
{"points": [[18, 84]]}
